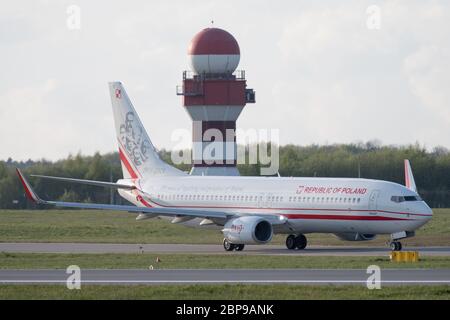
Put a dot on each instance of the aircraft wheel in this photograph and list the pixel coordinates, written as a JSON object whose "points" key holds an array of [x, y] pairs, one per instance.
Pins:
{"points": [[228, 246], [396, 246], [300, 242], [239, 247], [290, 242]]}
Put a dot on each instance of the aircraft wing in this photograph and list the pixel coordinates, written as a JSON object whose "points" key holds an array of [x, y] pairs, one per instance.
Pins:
{"points": [[170, 212], [217, 216], [31, 194], [89, 182]]}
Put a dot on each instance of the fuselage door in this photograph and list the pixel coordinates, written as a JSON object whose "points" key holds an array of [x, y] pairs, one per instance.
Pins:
{"points": [[373, 201]]}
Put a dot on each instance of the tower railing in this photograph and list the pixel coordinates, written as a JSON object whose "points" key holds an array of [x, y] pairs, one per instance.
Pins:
{"points": [[236, 75], [197, 89]]}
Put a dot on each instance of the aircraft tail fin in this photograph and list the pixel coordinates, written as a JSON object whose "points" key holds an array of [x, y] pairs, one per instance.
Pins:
{"points": [[138, 156], [409, 178]]}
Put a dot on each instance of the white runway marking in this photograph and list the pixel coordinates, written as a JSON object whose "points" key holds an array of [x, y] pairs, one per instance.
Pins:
{"points": [[231, 276], [224, 281], [211, 249]]}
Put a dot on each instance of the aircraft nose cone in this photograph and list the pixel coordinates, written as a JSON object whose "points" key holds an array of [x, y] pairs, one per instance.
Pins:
{"points": [[427, 210]]}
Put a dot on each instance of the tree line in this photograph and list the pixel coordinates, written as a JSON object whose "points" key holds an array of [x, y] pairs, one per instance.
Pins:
{"points": [[366, 160]]}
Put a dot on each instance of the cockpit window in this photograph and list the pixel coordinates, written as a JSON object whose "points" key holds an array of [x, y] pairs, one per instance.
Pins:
{"points": [[399, 199], [412, 198]]}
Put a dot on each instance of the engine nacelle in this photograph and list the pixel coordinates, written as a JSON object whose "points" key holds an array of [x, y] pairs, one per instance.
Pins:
{"points": [[355, 236], [248, 230]]}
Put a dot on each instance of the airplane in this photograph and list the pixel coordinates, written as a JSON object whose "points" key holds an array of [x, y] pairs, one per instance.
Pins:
{"points": [[250, 210]]}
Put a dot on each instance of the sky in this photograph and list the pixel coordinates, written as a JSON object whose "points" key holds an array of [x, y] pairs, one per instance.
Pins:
{"points": [[324, 72]]}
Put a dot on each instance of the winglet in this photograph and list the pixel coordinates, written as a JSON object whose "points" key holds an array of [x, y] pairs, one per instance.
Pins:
{"points": [[409, 178], [28, 190]]}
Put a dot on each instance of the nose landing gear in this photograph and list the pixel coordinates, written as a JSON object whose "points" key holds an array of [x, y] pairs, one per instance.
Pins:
{"points": [[296, 242]]}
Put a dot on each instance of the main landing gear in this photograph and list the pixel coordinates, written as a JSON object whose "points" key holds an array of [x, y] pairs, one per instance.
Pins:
{"points": [[296, 242], [396, 246], [228, 246]]}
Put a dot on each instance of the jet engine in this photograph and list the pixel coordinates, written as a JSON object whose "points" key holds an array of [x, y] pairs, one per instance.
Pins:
{"points": [[355, 236], [248, 230]]}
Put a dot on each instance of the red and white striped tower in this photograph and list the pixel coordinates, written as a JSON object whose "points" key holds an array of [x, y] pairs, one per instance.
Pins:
{"points": [[214, 96]]}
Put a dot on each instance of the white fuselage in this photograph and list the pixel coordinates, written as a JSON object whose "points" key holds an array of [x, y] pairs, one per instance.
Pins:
{"points": [[326, 205]]}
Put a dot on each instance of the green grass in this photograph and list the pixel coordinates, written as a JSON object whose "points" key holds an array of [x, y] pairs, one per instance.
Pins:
{"points": [[94, 226], [116, 227], [224, 292], [196, 261]]}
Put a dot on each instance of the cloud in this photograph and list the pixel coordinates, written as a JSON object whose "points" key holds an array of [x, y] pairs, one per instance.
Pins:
{"points": [[342, 82], [25, 116], [428, 73], [319, 74]]}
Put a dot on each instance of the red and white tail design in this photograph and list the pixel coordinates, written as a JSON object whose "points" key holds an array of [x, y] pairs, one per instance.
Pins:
{"points": [[138, 156], [409, 178], [31, 195]]}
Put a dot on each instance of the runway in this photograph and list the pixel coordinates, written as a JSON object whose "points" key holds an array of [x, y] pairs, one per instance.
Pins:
{"points": [[211, 249], [233, 276]]}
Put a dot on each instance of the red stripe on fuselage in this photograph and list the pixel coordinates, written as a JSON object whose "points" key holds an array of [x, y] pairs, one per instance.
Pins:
{"points": [[317, 216], [127, 164], [290, 209], [339, 217], [141, 199]]}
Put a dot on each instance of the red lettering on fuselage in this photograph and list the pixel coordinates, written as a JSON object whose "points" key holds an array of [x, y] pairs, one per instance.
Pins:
{"points": [[329, 190]]}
